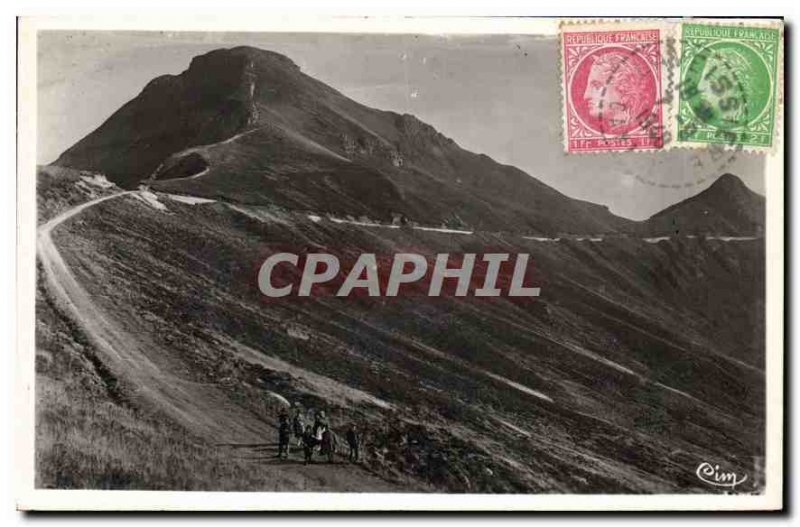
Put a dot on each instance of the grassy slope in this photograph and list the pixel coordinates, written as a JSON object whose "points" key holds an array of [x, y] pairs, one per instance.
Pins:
{"points": [[89, 434], [612, 323], [92, 430]]}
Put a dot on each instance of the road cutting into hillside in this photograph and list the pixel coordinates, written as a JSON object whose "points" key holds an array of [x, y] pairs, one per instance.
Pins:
{"points": [[200, 407]]}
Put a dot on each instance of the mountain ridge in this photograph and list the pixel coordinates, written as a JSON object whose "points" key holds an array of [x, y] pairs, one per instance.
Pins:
{"points": [[726, 207], [247, 125]]}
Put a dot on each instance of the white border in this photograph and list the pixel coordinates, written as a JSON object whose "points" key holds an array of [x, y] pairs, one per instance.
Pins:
{"points": [[29, 498]]}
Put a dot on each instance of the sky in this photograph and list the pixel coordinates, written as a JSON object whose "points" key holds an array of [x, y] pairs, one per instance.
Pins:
{"points": [[494, 94]]}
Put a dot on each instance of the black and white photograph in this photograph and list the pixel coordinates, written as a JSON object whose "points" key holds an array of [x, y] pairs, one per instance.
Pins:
{"points": [[369, 262]]}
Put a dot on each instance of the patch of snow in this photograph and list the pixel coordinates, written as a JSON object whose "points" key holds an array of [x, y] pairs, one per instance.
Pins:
{"points": [[365, 224], [280, 398], [513, 463], [309, 381], [369, 223], [594, 356], [615, 365], [518, 386], [97, 180], [195, 176], [679, 392], [541, 239], [441, 229], [512, 427], [190, 200], [258, 213], [149, 198], [83, 187], [362, 223], [297, 332], [732, 238]]}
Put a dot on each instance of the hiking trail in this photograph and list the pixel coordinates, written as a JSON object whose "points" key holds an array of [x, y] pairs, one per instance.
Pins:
{"points": [[200, 407]]}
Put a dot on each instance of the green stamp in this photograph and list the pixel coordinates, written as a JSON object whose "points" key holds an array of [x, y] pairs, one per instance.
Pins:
{"points": [[728, 84]]}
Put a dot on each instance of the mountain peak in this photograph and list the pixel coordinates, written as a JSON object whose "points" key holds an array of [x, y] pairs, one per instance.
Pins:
{"points": [[246, 124], [727, 188], [231, 65], [728, 182], [726, 207], [253, 55]]}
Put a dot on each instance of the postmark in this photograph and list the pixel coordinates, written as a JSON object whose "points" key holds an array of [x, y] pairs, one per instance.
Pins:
{"points": [[718, 86], [729, 80], [612, 81]]}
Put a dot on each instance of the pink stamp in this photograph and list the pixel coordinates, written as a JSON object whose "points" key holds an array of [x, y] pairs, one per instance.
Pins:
{"points": [[612, 90]]}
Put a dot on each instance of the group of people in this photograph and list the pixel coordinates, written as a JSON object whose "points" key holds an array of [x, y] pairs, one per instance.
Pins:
{"points": [[314, 436]]}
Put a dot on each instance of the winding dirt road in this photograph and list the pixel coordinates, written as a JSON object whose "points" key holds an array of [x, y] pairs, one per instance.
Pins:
{"points": [[199, 407]]}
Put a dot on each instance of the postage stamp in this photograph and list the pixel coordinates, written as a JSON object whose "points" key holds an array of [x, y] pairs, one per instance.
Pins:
{"points": [[612, 88], [728, 85]]}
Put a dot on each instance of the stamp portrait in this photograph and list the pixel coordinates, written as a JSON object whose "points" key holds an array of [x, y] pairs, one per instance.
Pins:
{"points": [[728, 85], [612, 86]]}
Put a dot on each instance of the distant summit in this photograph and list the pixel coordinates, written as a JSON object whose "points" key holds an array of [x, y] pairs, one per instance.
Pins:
{"points": [[245, 124], [211, 101], [727, 207]]}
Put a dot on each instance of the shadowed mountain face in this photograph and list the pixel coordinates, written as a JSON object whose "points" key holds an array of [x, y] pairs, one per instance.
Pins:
{"points": [[727, 207], [248, 125], [639, 360]]}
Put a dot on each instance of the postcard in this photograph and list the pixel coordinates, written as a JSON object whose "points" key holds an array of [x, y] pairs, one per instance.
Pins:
{"points": [[400, 264]]}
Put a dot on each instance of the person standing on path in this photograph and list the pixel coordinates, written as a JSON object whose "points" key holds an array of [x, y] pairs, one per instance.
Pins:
{"points": [[320, 424], [298, 427], [328, 444], [284, 434], [352, 441], [309, 442]]}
